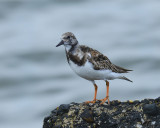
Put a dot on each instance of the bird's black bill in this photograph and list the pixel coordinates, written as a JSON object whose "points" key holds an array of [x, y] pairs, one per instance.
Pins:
{"points": [[61, 43]]}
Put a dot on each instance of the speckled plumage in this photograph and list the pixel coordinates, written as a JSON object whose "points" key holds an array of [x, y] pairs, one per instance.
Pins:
{"points": [[97, 60], [101, 62]]}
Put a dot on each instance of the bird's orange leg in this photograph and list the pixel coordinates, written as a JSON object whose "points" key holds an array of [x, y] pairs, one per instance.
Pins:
{"points": [[107, 94], [95, 95]]}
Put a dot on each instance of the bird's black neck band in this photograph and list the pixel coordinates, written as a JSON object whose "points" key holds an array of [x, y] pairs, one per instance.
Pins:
{"points": [[73, 47]]}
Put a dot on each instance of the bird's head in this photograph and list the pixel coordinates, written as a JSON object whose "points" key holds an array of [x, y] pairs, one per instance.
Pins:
{"points": [[68, 40]]}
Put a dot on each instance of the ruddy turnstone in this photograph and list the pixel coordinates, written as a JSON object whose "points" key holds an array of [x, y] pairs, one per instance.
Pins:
{"points": [[90, 64]]}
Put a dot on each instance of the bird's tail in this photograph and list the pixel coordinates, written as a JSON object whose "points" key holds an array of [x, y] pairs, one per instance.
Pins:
{"points": [[125, 78]]}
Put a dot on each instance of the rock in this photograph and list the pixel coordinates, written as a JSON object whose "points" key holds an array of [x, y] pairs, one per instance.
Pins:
{"points": [[115, 102], [132, 114], [150, 109], [87, 115], [157, 99], [64, 108]]}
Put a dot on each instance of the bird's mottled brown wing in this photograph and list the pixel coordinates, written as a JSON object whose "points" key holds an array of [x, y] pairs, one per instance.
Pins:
{"points": [[101, 62]]}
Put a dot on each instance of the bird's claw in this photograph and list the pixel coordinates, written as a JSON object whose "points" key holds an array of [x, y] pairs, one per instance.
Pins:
{"points": [[93, 101], [104, 100]]}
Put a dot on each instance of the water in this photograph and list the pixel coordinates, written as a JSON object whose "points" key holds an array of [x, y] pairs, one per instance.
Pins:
{"points": [[34, 74]]}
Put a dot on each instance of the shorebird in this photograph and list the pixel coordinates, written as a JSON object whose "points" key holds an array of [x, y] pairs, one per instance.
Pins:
{"points": [[90, 64]]}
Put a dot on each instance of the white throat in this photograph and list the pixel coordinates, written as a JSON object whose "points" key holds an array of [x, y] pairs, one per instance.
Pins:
{"points": [[69, 48]]}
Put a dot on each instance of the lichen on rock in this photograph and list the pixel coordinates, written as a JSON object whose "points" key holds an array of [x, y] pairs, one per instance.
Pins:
{"points": [[136, 114]]}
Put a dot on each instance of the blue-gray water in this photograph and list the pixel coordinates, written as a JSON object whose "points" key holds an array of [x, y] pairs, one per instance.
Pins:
{"points": [[34, 74]]}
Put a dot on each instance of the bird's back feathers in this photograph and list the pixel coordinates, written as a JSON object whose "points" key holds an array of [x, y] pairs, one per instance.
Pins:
{"points": [[101, 62]]}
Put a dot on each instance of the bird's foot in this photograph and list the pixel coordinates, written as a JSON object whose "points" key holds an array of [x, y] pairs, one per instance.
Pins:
{"points": [[93, 101], [104, 100]]}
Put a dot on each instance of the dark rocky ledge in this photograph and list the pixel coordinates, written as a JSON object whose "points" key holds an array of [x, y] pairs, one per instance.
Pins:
{"points": [[130, 114]]}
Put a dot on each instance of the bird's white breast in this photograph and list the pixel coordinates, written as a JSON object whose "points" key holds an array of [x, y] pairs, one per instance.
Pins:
{"points": [[89, 73]]}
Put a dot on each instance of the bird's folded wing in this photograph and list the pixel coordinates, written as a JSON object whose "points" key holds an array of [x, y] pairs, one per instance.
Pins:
{"points": [[101, 62]]}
